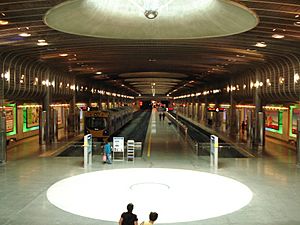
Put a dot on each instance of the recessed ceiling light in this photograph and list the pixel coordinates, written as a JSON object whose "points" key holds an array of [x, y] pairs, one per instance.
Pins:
{"points": [[42, 43], [24, 34], [297, 16], [98, 72], [3, 22], [278, 36], [63, 54], [151, 14], [297, 23], [260, 44]]}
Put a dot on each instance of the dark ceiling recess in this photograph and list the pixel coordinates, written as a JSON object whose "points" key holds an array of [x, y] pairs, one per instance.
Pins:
{"points": [[135, 65]]}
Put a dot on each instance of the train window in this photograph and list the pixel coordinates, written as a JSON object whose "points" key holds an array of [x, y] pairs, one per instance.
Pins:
{"points": [[96, 123]]}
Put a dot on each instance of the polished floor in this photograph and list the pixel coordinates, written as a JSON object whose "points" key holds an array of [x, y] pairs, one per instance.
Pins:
{"points": [[274, 181]]}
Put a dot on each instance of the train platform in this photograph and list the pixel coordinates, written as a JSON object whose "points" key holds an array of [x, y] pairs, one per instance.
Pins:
{"points": [[274, 148], [169, 179]]}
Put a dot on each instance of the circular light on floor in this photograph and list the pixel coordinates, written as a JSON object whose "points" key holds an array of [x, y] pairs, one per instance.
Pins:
{"points": [[130, 19], [177, 195]]}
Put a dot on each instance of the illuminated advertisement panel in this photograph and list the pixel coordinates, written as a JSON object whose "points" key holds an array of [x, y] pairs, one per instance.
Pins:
{"points": [[32, 114], [294, 116], [10, 114], [272, 120]]}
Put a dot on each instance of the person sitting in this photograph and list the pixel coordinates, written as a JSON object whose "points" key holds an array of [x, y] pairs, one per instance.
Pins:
{"points": [[128, 218], [152, 218]]}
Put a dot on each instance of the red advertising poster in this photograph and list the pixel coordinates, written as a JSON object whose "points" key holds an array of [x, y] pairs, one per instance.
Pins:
{"points": [[272, 118], [296, 116], [9, 112]]}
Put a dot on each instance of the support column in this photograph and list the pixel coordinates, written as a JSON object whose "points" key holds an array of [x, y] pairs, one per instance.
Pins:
{"points": [[193, 109], [107, 103], [205, 110], [2, 124], [100, 102], [217, 120], [46, 107], [2, 137], [298, 143], [233, 118], [259, 122], [72, 121]]}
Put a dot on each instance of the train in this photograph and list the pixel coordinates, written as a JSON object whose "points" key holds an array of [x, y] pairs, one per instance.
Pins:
{"points": [[101, 124]]}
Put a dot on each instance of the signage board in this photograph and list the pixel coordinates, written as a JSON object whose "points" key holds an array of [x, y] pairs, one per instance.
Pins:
{"points": [[118, 144]]}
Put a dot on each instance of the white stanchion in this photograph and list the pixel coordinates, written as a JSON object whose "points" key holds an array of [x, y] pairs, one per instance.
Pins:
{"points": [[214, 146], [87, 155]]}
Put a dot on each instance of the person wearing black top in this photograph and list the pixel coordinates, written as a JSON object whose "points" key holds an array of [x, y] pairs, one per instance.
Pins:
{"points": [[128, 218]]}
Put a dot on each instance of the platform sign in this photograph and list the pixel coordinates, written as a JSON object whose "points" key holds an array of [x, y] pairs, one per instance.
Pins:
{"points": [[118, 144], [214, 146]]}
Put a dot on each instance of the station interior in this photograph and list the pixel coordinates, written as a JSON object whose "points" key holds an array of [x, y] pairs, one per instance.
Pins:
{"points": [[199, 100]]}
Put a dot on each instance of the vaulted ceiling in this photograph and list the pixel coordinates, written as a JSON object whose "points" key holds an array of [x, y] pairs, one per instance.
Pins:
{"points": [[137, 66]]}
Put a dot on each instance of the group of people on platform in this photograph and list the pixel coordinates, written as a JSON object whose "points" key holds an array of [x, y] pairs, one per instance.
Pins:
{"points": [[129, 218]]}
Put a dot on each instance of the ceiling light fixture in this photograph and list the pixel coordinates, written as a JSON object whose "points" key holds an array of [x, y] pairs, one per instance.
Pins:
{"points": [[3, 22], [261, 44], [151, 14], [102, 18], [24, 34], [278, 36], [63, 54], [42, 43], [297, 23]]}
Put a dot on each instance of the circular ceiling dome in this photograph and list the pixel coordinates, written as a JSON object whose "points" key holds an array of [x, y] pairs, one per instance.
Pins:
{"points": [[151, 19]]}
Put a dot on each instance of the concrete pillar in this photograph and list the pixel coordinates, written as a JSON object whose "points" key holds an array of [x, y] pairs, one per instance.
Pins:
{"points": [[100, 102], [259, 124], [249, 123], [233, 118], [217, 114], [2, 124], [2, 137], [107, 103], [193, 109], [205, 110], [298, 143], [46, 107]]}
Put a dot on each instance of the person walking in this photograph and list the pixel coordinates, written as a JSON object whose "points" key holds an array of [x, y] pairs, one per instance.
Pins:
{"points": [[163, 116], [107, 152], [128, 218], [152, 218]]}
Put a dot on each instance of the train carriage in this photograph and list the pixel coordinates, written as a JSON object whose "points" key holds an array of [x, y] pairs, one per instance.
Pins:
{"points": [[102, 124]]}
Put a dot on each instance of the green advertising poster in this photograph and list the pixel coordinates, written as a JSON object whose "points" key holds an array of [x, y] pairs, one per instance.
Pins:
{"points": [[30, 118], [294, 116], [11, 119]]}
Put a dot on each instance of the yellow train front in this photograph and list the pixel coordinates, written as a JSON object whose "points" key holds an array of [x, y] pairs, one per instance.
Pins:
{"points": [[102, 124]]}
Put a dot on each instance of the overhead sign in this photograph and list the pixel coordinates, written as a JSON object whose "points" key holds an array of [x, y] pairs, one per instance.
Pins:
{"points": [[118, 144]]}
